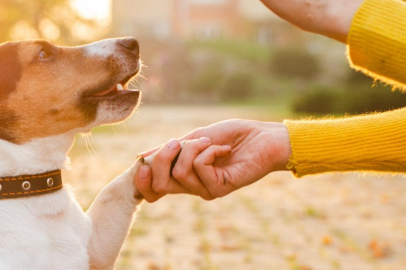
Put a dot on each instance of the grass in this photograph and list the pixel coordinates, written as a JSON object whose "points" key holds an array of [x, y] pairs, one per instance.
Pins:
{"points": [[234, 48]]}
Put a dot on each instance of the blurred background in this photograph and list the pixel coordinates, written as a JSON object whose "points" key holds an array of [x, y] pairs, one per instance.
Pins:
{"points": [[210, 60]]}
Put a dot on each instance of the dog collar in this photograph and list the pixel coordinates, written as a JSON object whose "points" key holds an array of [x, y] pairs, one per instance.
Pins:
{"points": [[30, 185]]}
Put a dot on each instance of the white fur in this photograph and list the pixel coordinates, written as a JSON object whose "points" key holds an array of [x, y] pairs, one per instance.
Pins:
{"points": [[51, 232], [102, 48], [107, 48], [36, 156]]}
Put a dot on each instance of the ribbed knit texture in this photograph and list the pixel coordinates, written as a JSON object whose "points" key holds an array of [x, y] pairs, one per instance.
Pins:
{"points": [[364, 143], [376, 142], [377, 40]]}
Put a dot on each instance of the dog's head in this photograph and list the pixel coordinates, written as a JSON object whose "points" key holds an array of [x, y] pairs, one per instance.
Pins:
{"points": [[48, 90]]}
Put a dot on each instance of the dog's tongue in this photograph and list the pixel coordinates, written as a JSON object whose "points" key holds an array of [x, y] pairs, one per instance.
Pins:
{"points": [[114, 88]]}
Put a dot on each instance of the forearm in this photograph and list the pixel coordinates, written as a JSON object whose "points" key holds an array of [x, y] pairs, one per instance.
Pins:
{"points": [[364, 143], [330, 18]]}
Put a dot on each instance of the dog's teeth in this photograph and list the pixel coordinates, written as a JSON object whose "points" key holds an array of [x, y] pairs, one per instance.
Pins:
{"points": [[120, 86]]}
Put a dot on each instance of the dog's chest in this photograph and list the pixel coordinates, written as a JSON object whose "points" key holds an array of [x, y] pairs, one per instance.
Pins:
{"points": [[46, 232]]}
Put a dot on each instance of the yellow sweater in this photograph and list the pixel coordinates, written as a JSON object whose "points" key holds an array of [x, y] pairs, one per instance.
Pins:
{"points": [[375, 142]]}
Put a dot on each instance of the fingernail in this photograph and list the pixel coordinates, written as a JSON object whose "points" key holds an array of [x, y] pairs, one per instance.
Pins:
{"points": [[172, 144], [143, 172], [205, 140]]}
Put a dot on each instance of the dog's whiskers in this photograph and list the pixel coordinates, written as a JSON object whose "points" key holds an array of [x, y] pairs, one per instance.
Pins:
{"points": [[142, 76], [89, 145], [125, 127]]}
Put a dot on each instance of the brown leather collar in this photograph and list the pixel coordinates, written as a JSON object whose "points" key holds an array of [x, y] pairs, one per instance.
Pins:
{"points": [[30, 185]]}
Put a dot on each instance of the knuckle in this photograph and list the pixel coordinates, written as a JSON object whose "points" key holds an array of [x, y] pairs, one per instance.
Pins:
{"points": [[207, 197], [159, 188], [179, 174], [151, 199], [198, 161], [188, 144], [162, 155], [217, 193]]}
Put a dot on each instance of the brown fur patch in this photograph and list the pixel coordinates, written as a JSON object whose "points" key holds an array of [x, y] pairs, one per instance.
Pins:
{"points": [[10, 73], [45, 97], [10, 69]]}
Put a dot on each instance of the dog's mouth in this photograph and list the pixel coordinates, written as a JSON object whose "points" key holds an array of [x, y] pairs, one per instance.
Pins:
{"points": [[119, 88], [115, 90], [111, 90]]}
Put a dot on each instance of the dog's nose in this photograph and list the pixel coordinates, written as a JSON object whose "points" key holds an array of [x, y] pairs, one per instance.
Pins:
{"points": [[130, 44]]}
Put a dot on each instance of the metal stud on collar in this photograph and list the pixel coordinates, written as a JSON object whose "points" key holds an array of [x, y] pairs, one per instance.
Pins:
{"points": [[26, 185], [19, 186], [50, 182]]}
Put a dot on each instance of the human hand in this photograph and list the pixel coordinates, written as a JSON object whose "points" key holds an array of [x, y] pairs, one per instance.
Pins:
{"points": [[331, 18], [239, 153], [159, 164], [257, 148]]}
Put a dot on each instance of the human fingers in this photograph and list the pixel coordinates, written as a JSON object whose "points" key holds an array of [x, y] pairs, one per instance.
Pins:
{"points": [[162, 182], [143, 184], [219, 132], [183, 170], [215, 179]]}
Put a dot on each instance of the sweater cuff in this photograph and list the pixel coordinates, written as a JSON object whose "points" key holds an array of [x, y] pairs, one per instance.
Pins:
{"points": [[376, 41], [365, 143]]}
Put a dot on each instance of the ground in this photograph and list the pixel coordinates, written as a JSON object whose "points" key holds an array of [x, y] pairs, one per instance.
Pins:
{"points": [[329, 222]]}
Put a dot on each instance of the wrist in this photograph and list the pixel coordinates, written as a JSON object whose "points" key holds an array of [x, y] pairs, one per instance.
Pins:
{"points": [[279, 138], [340, 16]]}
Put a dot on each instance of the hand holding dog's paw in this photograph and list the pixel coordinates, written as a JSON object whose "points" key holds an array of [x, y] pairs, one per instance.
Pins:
{"points": [[154, 179], [217, 160]]}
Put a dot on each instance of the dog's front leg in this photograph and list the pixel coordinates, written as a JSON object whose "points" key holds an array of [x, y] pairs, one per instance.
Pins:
{"points": [[112, 214]]}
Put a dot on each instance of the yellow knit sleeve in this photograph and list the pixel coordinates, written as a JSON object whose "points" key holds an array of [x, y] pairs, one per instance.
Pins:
{"points": [[375, 142], [377, 41]]}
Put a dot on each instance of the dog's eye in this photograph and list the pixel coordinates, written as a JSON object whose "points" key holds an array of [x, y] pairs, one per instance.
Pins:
{"points": [[43, 55]]}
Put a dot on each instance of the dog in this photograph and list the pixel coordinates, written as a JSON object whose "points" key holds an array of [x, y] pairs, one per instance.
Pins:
{"points": [[48, 94]]}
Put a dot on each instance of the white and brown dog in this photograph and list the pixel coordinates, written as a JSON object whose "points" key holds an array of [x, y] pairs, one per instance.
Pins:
{"points": [[47, 95]]}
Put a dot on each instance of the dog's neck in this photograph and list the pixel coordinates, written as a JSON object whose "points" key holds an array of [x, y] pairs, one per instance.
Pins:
{"points": [[36, 156]]}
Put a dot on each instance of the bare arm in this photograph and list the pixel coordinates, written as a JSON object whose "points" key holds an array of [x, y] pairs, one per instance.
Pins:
{"points": [[331, 18]]}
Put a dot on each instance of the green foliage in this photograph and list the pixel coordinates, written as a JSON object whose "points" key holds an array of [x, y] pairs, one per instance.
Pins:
{"points": [[294, 62], [207, 80], [238, 87], [318, 100], [205, 76], [358, 95], [234, 48], [359, 98], [176, 71]]}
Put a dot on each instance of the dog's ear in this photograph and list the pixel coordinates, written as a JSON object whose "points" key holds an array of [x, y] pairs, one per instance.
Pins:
{"points": [[10, 68], [10, 74]]}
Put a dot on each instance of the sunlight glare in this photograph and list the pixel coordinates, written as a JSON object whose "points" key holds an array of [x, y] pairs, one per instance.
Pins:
{"points": [[92, 9]]}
